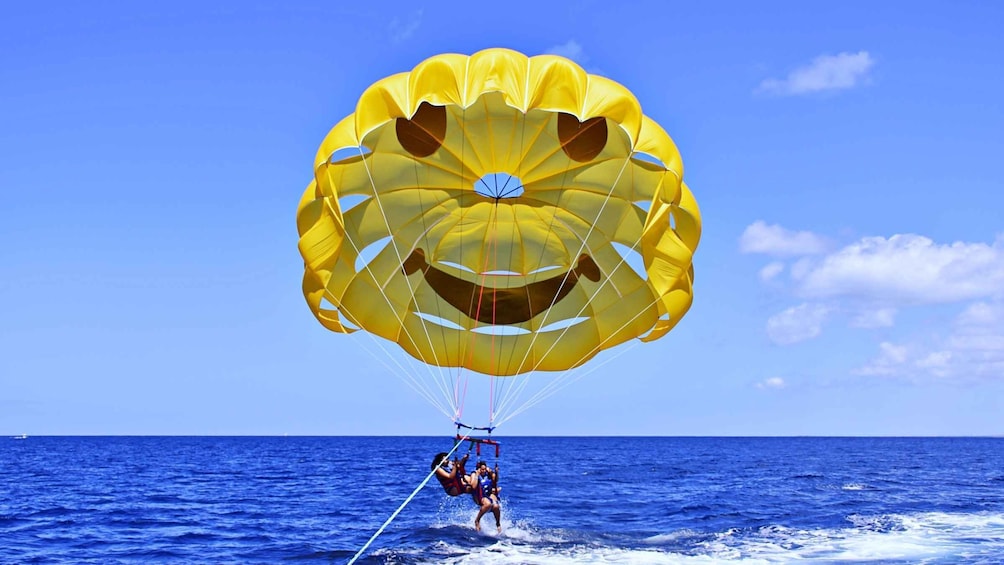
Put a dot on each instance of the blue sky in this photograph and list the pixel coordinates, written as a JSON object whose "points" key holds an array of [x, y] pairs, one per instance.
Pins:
{"points": [[846, 158]]}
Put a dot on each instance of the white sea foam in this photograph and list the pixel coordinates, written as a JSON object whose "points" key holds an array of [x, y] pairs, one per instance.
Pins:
{"points": [[909, 538], [671, 537], [853, 486]]}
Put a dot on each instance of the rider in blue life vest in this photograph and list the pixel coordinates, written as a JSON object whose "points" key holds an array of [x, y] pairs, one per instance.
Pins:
{"points": [[486, 494]]}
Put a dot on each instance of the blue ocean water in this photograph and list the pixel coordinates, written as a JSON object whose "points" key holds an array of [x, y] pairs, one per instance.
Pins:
{"points": [[565, 500]]}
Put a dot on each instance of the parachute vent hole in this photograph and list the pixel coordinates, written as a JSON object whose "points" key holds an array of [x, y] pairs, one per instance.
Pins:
{"points": [[457, 266], [347, 154], [350, 201], [499, 186], [347, 321], [500, 330], [370, 252], [645, 205], [439, 321], [648, 158], [544, 269], [632, 258], [562, 324], [343, 316]]}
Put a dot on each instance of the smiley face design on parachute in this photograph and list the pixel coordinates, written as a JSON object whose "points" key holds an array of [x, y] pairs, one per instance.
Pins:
{"points": [[585, 244], [421, 136]]}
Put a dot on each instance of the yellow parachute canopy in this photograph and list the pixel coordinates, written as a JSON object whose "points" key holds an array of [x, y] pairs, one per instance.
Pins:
{"points": [[481, 212]]}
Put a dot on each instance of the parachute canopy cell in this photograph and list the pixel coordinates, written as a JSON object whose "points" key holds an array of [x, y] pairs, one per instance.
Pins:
{"points": [[499, 213]]}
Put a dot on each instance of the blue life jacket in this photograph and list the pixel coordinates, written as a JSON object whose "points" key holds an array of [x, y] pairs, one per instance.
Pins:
{"points": [[486, 485]]}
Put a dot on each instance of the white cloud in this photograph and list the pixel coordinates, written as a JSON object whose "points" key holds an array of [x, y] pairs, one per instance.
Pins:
{"points": [[796, 324], [981, 314], [759, 237], [826, 72], [571, 50], [875, 318], [936, 363], [890, 361], [870, 281], [402, 29], [907, 269], [771, 270], [772, 382], [974, 349]]}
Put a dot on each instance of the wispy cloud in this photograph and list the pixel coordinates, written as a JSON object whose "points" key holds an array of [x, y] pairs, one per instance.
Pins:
{"points": [[771, 383], [403, 28], [907, 269], [796, 324], [973, 349], [570, 49], [874, 318], [826, 72], [890, 360], [903, 269], [573, 50], [759, 237], [771, 270], [868, 283]]}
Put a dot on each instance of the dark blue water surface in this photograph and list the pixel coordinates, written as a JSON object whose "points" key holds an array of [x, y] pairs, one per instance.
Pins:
{"points": [[565, 500]]}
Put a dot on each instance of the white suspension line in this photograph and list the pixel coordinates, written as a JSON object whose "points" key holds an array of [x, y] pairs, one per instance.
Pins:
{"points": [[397, 251], [403, 374], [567, 273], [564, 376], [533, 401]]}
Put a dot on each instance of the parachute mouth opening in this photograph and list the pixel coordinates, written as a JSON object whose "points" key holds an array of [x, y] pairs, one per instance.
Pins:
{"points": [[499, 186], [501, 329], [349, 154], [500, 306]]}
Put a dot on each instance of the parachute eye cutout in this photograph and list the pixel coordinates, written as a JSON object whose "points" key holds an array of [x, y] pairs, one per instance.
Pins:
{"points": [[581, 141], [424, 133]]}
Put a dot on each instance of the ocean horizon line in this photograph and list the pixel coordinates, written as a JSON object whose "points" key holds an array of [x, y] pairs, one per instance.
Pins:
{"points": [[542, 436]]}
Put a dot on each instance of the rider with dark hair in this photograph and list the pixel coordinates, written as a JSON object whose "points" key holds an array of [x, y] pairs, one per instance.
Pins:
{"points": [[452, 476], [486, 494]]}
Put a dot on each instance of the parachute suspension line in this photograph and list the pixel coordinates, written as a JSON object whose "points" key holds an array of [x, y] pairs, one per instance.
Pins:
{"points": [[461, 398], [411, 289], [559, 383], [397, 251], [519, 118], [477, 316], [446, 378], [585, 243], [420, 486], [517, 390], [495, 360], [498, 385], [521, 381], [404, 375], [564, 280], [562, 382], [553, 387]]}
